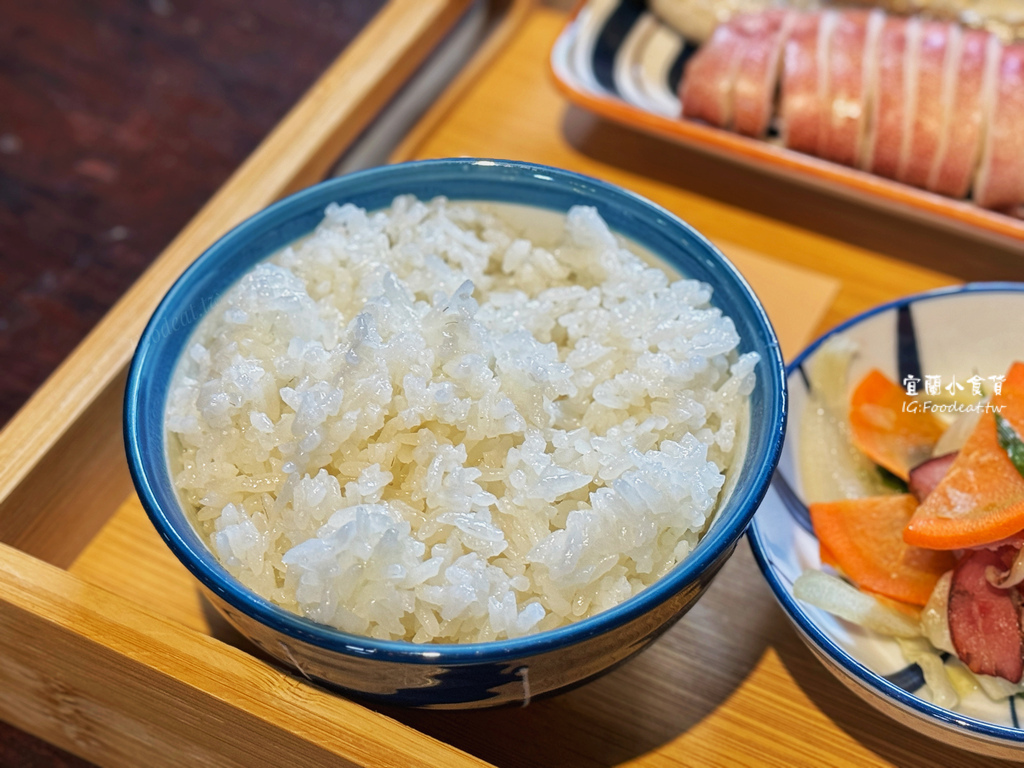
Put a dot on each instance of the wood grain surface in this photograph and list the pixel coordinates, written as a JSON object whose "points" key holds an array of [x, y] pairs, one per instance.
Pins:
{"points": [[513, 110], [730, 685], [299, 151], [119, 120]]}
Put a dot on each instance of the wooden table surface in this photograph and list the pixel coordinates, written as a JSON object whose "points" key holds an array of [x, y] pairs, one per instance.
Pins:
{"points": [[83, 137], [97, 101], [742, 688]]}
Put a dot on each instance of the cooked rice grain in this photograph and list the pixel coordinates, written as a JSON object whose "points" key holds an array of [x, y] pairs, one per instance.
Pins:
{"points": [[416, 424]]}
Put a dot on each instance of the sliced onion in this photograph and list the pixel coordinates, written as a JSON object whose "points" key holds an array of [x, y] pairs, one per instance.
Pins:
{"points": [[1010, 578], [964, 681], [935, 615], [996, 688], [828, 371], [831, 468], [919, 651], [847, 602], [956, 434]]}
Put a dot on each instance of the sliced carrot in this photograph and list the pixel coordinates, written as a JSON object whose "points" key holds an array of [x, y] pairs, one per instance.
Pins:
{"points": [[911, 611], [889, 432], [863, 536], [981, 498], [826, 556]]}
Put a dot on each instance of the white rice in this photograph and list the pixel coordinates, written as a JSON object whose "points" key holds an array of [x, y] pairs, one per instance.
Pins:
{"points": [[415, 424]]}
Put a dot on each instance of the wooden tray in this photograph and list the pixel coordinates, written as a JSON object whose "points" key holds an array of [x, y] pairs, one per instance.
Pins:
{"points": [[107, 648]]}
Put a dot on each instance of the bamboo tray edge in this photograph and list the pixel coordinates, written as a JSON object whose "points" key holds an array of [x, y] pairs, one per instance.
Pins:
{"points": [[102, 676]]}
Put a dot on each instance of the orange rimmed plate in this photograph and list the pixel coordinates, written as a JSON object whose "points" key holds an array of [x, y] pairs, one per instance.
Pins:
{"points": [[616, 59]]}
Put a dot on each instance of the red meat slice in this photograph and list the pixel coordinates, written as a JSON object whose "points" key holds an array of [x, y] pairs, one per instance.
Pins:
{"points": [[885, 135], [984, 622], [1000, 180], [801, 106], [923, 102], [853, 41], [710, 77], [925, 476], [758, 75], [872, 56], [911, 63], [958, 154], [929, 85]]}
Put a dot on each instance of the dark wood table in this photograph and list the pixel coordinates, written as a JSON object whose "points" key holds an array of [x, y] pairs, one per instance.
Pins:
{"points": [[118, 120]]}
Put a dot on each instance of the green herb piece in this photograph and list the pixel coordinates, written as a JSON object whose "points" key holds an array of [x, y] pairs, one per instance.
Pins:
{"points": [[1010, 441], [893, 482]]}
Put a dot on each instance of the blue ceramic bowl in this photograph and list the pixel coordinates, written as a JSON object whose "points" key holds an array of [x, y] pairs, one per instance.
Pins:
{"points": [[470, 675], [950, 333]]}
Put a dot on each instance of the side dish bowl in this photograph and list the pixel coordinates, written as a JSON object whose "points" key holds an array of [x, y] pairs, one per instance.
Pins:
{"points": [[958, 332], [472, 674]]}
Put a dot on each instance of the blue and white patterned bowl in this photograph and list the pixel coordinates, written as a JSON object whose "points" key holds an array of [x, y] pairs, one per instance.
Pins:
{"points": [[479, 674], [957, 332]]}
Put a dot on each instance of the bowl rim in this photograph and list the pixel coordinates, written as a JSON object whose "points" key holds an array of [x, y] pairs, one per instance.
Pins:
{"points": [[716, 543], [808, 629]]}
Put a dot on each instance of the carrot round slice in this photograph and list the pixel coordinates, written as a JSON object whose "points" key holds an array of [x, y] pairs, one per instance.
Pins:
{"points": [[889, 432], [863, 537], [981, 498]]}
